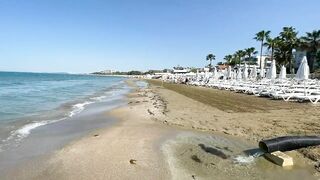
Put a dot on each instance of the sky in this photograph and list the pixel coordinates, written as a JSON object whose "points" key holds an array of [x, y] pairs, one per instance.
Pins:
{"points": [[81, 36]]}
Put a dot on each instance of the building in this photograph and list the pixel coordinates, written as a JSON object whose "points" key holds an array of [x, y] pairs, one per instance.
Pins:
{"points": [[221, 66], [107, 71], [298, 55], [181, 71], [265, 60]]}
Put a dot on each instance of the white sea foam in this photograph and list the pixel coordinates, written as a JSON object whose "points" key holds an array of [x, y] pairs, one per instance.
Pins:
{"points": [[243, 159], [247, 159], [26, 129], [16, 136], [99, 98], [77, 108], [21, 133]]}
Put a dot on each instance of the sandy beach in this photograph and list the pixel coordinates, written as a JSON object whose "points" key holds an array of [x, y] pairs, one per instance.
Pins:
{"points": [[159, 90], [170, 131]]}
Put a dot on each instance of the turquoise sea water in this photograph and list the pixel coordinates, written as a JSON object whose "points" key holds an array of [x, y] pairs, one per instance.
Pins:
{"points": [[31, 100]]}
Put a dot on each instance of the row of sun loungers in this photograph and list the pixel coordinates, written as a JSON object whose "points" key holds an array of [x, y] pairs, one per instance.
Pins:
{"points": [[285, 89], [300, 88]]}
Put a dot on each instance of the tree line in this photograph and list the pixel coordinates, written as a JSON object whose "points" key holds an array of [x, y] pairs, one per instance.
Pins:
{"points": [[280, 48]]}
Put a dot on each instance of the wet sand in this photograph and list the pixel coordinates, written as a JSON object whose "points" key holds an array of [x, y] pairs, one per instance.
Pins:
{"points": [[205, 156], [165, 133], [129, 149]]}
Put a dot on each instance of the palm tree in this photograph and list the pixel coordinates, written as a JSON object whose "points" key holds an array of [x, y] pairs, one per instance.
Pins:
{"points": [[312, 42], [239, 55], [318, 58], [250, 52], [210, 57], [228, 58], [271, 44], [289, 39], [261, 36], [280, 52]]}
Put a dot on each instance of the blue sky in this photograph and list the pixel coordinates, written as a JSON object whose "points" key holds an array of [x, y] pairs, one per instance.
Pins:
{"points": [[91, 35]]}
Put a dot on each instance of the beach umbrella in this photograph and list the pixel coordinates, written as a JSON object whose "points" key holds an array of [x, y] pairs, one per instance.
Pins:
{"points": [[215, 73], [239, 75], [262, 73], [229, 74], [206, 74], [253, 73], [267, 73], [202, 74], [283, 73], [272, 72], [234, 74], [245, 72], [303, 71], [224, 74]]}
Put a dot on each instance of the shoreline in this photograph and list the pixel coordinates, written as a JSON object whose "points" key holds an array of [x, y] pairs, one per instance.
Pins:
{"points": [[14, 129], [162, 134], [106, 143], [44, 140]]}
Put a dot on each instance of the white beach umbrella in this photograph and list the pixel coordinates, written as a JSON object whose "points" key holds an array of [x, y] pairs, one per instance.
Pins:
{"points": [[262, 73], [200, 76], [206, 74], [272, 72], [229, 74], [234, 74], [283, 73], [268, 73], [224, 74], [210, 74], [303, 71], [239, 75], [215, 73], [245, 72], [253, 73]]}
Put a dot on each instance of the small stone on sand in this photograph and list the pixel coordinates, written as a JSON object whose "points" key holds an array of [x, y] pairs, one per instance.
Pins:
{"points": [[133, 161]]}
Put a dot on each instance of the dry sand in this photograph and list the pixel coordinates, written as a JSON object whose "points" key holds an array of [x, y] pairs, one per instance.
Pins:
{"points": [[253, 118]]}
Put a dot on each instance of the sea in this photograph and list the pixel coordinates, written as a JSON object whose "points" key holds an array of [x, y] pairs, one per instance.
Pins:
{"points": [[34, 107]]}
